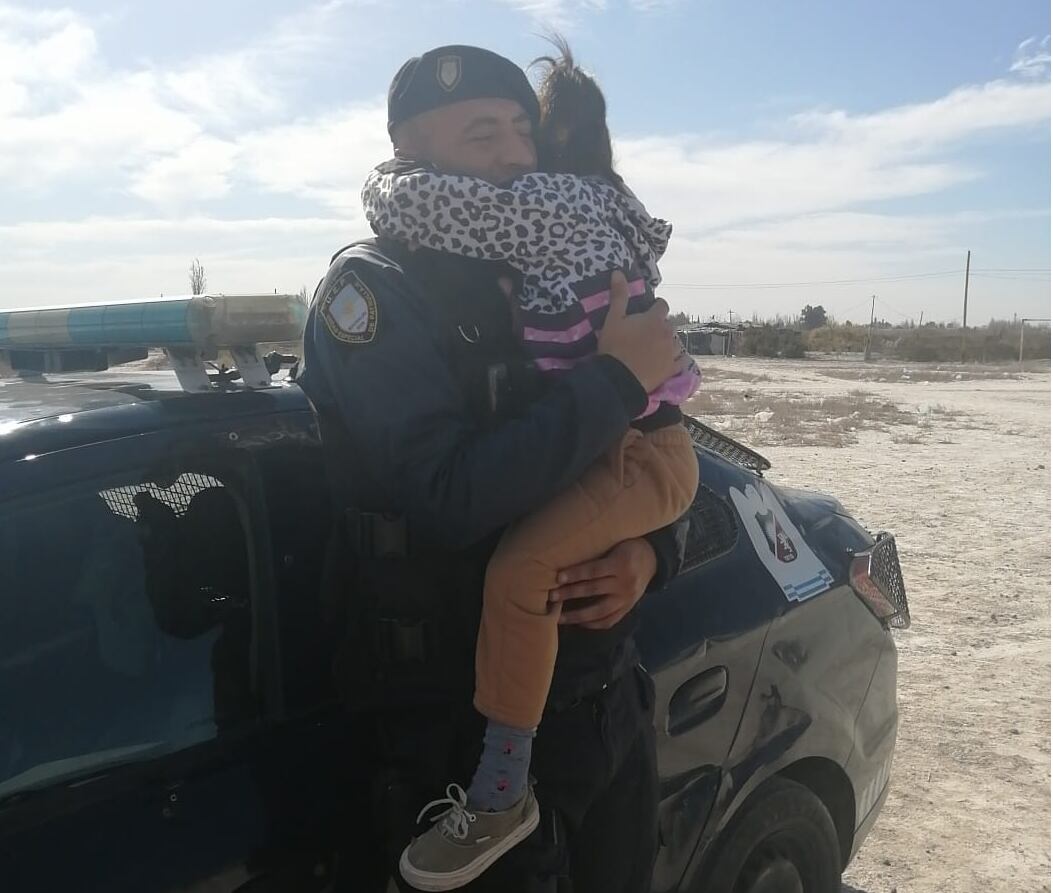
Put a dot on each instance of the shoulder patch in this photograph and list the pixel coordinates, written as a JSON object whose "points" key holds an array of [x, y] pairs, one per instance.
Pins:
{"points": [[350, 310]]}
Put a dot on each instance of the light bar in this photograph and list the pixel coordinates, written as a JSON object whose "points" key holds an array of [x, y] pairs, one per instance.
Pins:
{"points": [[204, 322], [191, 330]]}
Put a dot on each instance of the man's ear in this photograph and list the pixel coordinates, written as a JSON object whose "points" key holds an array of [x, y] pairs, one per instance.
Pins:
{"points": [[407, 140]]}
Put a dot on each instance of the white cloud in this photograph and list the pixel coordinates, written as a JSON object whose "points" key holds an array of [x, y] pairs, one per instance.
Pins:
{"points": [[926, 126], [110, 130], [1032, 58], [652, 5], [254, 81], [101, 258], [64, 112], [25, 17], [702, 187], [40, 57], [563, 13], [848, 229], [829, 160], [557, 13], [94, 232], [111, 277], [726, 261], [200, 172], [323, 159]]}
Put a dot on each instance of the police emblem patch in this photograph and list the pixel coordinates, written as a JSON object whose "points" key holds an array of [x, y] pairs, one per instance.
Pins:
{"points": [[448, 72], [780, 546], [350, 311]]}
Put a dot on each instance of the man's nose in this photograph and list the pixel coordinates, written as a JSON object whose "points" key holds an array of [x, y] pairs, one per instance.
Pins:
{"points": [[518, 155]]}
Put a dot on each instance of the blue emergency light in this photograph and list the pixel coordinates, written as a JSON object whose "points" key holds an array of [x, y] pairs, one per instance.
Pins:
{"points": [[191, 330]]}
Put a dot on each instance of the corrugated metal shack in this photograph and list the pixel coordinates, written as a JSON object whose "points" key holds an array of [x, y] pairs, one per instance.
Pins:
{"points": [[709, 338]]}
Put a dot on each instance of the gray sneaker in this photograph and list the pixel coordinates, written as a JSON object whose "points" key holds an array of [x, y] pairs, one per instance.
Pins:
{"points": [[462, 844]]}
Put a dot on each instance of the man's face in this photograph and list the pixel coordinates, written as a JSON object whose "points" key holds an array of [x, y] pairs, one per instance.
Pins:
{"points": [[487, 138]]}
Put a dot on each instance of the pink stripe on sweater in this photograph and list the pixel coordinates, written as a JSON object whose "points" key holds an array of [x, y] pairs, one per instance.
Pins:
{"points": [[574, 333], [602, 298]]}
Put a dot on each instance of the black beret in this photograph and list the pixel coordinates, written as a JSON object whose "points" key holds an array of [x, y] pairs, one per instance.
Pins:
{"points": [[450, 74]]}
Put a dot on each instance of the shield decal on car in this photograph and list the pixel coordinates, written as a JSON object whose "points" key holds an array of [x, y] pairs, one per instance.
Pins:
{"points": [[449, 72]]}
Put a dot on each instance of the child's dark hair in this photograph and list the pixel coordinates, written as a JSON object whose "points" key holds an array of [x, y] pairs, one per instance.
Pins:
{"points": [[572, 137]]}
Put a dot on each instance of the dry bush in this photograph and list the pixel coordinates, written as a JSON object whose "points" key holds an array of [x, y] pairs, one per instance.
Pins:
{"points": [[726, 373], [909, 374], [797, 419], [907, 438]]}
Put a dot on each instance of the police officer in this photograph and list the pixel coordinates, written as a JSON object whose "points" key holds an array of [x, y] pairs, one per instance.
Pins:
{"points": [[437, 435]]}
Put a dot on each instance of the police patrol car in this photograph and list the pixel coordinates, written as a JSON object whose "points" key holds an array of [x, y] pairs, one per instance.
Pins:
{"points": [[167, 717]]}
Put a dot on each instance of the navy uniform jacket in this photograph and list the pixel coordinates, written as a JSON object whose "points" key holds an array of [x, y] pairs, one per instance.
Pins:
{"points": [[402, 435]]}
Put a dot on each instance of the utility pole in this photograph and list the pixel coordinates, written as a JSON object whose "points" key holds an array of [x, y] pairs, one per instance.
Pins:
{"points": [[921, 319], [870, 331], [965, 306]]}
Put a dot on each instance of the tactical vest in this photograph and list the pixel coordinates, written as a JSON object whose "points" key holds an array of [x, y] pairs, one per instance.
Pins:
{"points": [[412, 615]]}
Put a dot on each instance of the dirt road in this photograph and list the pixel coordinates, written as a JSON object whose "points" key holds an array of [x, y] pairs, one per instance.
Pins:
{"points": [[956, 463]]}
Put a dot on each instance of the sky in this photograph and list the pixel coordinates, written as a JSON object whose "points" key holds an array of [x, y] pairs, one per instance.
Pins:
{"points": [[814, 152]]}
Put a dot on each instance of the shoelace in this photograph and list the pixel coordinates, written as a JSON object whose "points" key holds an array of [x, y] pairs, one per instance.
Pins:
{"points": [[457, 818]]}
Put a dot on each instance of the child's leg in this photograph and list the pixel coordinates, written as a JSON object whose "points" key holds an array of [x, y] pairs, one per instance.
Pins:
{"points": [[500, 779], [641, 485]]}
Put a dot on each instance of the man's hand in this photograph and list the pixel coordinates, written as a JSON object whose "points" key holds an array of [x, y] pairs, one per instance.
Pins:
{"points": [[611, 585], [644, 342]]}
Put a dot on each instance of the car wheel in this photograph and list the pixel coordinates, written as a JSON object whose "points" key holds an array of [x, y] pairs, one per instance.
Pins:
{"points": [[782, 841]]}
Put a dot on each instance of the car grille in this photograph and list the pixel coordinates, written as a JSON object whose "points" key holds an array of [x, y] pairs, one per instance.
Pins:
{"points": [[886, 573], [724, 446]]}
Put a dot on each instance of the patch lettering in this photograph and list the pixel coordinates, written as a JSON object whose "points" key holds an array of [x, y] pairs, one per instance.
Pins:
{"points": [[350, 310]]}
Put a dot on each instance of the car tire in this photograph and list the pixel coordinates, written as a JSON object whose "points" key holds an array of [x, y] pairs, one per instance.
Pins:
{"points": [[782, 840]]}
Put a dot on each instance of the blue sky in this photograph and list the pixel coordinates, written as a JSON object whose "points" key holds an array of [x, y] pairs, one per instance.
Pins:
{"points": [[787, 142]]}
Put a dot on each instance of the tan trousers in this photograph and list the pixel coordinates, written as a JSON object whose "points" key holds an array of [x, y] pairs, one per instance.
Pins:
{"points": [[642, 484]]}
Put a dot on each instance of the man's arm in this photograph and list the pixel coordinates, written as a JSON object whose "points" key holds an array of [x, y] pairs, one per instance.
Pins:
{"points": [[669, 545], [410, 427]]}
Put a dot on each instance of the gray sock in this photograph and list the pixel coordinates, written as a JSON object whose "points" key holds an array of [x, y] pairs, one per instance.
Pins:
{"points": [[501, 778]]}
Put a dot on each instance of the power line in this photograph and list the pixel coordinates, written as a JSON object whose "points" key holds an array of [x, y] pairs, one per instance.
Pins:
{"points": [[888, 306], [816, 282], [902, 277], [1002, 278], [846, 311]]}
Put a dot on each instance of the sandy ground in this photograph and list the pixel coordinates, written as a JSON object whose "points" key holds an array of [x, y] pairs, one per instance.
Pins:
{"points": [[958, 468]]}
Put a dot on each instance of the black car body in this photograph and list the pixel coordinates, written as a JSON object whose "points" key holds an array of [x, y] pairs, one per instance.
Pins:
{"points": [[152, 740]]}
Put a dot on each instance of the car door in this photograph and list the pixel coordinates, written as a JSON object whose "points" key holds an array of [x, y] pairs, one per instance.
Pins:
{"points": [[701, 640], [139, 678]]}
